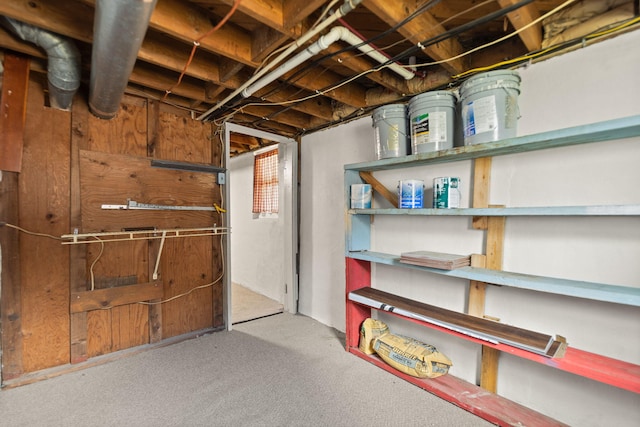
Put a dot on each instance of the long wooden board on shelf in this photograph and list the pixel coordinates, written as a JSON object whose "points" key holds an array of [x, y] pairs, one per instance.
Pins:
{"points": [[440, 260], [472, 326]]}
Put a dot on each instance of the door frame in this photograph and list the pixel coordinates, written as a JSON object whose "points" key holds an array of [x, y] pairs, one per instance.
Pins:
{"points": [[288, 172]]}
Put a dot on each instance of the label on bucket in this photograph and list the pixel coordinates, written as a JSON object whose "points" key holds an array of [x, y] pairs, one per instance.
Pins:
{"points": [[446, 192], [480, 116], [430, 127], [361, 196], [410, 194]]}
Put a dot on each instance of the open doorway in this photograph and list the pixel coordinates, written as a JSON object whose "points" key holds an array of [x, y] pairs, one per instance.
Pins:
{"points": [[262, 277]]}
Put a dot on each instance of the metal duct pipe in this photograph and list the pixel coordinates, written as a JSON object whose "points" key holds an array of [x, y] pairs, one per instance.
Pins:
{"points": [[118, 30], [63, 61]]}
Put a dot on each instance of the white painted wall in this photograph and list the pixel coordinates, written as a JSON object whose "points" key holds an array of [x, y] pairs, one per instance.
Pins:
{"points": [[257, 245], [596, 83]]}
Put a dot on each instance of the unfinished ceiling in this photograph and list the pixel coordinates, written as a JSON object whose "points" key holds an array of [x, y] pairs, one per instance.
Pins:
{"points": [[238, 60]]}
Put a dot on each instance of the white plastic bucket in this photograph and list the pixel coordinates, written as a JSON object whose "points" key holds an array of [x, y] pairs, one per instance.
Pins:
{"points": [[490, 106], [411, 194], [432, 121], [446, 192], [390, 128], [361, 196]]}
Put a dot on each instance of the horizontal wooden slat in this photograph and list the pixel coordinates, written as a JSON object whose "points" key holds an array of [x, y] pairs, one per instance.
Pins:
{"points": [[113, 297]]}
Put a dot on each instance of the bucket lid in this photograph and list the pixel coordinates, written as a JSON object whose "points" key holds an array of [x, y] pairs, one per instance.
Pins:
{"points": [[434, 95], [394, 110], [507, 79], [437, 98]]}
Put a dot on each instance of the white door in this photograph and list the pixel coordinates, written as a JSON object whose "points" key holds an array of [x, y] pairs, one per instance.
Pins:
{"points": [[262, 250]]}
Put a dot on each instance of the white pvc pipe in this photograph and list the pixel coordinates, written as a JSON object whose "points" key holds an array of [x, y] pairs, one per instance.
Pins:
{"points": [[336, 33], [347, 7]]}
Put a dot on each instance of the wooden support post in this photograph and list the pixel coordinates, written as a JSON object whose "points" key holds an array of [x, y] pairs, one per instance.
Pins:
{"points": [[494, 250], [481, 181], [10, 298], [477, 289], [13, 103], [155, 309], [13, 110], [77, 253]]}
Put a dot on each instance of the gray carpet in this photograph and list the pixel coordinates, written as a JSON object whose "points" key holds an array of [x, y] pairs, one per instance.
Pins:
{"points": [[283, 370]]}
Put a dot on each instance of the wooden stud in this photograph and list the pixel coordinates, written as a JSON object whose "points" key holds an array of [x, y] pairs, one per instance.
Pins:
{"points": [[12, 121], [481, 181], [494, 251], [13, 111], [477, 289], [155, 309], [10, 298], [77, 253]]}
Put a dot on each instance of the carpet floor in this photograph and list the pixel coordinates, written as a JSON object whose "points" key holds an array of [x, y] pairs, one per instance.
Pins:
{"points": [[281, 370]]}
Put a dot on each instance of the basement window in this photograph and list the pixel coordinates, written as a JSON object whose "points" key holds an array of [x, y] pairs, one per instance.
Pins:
{"points": [[265, 184]]}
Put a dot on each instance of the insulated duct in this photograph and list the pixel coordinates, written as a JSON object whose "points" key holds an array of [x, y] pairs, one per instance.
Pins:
{"points": [[118, 30], [63, 61]]}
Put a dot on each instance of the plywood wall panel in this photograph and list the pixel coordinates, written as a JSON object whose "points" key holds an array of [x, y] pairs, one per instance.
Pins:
{"points": [[99, 340], [186, 264], [120, 263], [44, 208], [183, 139], [125, 134], [112, 179]]}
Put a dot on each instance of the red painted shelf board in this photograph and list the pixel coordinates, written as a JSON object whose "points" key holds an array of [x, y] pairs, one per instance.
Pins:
{"points": [[480, 402], [604, 369]]}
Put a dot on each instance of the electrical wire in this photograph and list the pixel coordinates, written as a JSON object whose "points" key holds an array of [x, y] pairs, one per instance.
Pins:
{"points": [[196, 43], [6, 224], [501, 39], [93, 280], [554, 48]]}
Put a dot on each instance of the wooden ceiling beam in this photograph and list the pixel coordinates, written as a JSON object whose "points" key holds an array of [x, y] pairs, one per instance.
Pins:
{"points": [[419, 29], [532, 36], [296, 11], [187, 23], [67, 18], [351, 94], [290, 117], [149, 77]]}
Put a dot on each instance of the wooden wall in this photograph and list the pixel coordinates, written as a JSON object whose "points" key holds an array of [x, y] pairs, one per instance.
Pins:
{"points": [[72, 163]]}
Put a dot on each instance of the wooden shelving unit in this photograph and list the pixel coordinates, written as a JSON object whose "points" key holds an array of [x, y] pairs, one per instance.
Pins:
{"points": [[486, 269]]}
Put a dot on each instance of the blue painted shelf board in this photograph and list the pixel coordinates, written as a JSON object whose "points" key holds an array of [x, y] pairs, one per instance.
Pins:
{"points": [[602, 131], [589, 290], [608, 210]]}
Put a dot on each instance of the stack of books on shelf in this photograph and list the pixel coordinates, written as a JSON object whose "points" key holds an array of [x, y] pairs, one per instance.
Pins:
{"points": [[439, 260]]}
